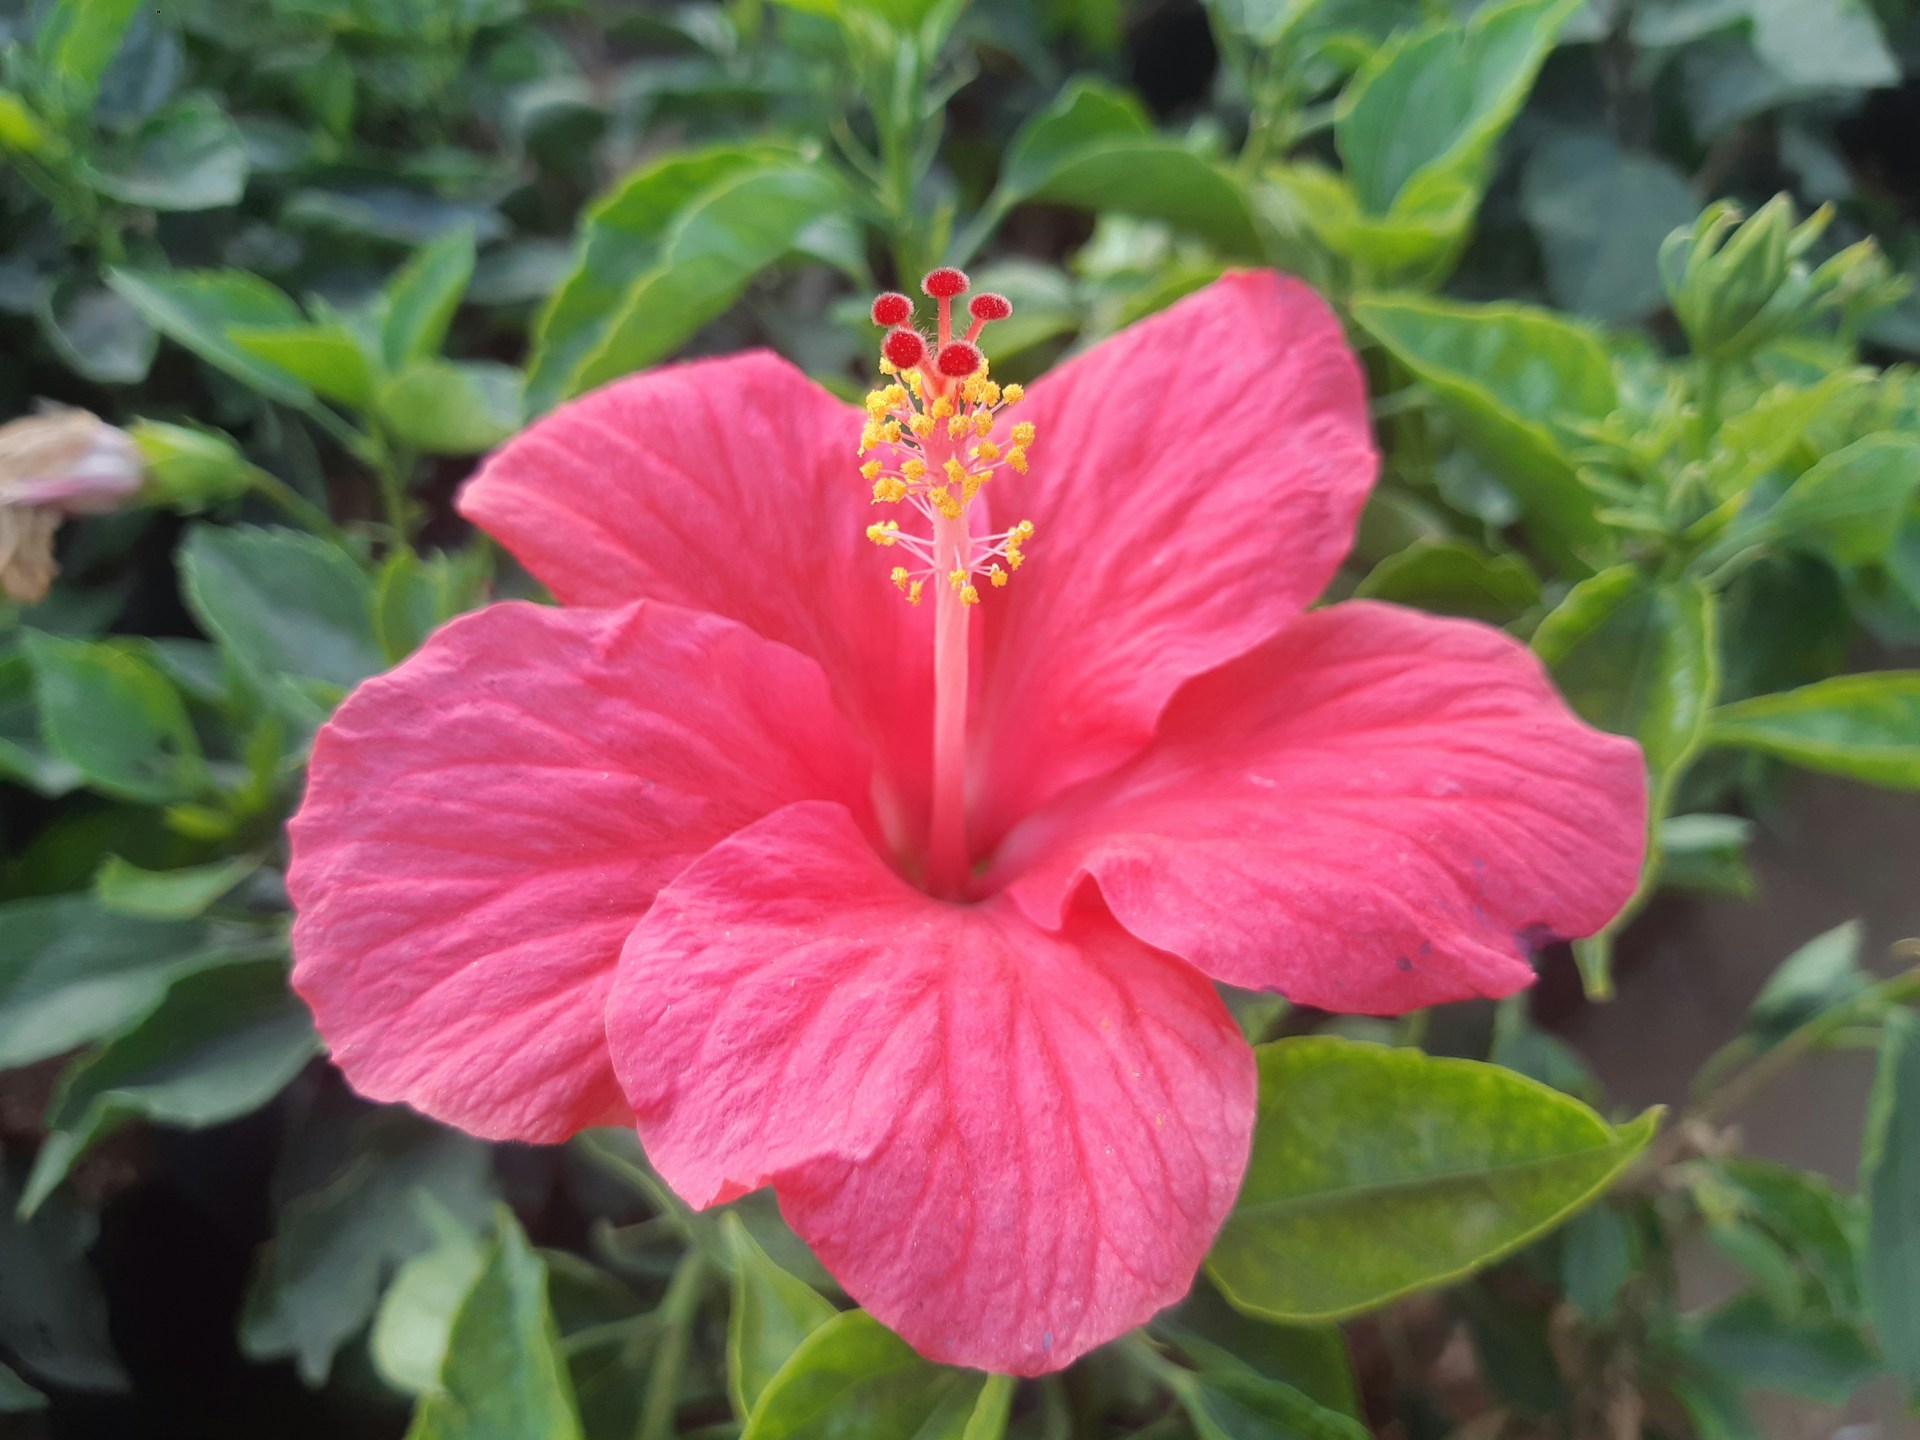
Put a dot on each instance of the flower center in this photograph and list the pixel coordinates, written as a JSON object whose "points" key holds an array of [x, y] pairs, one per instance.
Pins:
{"points": [[939, 434]]}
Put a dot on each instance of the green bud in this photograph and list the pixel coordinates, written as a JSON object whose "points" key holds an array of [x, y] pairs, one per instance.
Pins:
{"points": [[188, 468], [1739, 284]]}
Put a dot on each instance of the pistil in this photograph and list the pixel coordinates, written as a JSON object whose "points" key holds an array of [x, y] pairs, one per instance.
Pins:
{"points": [[938, 438]]}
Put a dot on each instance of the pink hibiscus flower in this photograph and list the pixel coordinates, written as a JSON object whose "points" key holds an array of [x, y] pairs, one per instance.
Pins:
{"points": [[912, 910]]}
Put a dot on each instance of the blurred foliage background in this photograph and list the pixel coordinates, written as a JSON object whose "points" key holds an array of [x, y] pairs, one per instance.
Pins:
{"points": [[1632, 279]]}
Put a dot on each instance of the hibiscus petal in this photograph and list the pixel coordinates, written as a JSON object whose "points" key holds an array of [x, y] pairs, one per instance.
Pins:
{"points": [[730, 486], [1194, 483], [1009, 1144], [484, 825], [1377, 810]]}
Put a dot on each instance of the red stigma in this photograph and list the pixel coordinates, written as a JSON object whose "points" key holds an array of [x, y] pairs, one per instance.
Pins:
{"points": [[957, 360], [892, 308], [944, 284], [904, 348], [989, 306]]}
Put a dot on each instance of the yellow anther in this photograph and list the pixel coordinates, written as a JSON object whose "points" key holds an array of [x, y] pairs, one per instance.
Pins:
{"points": [[970, 487], [944, 502], [890, 432], [877, 403], [998, 576], [1017, 458], [1014, 558], [921, 425], [1023, 531], [956, 427], [896, 395], [956, 472], [990, 394], [869, 438], [914, 469], [943, 408], [983, 424], [871, 470], [899, 576], [914, 383], [1023, 433], [887, 367], [913, 592], [986, 452], [957, 579], [969, 595], [1013, 394], [887, 532], [887, 490]]}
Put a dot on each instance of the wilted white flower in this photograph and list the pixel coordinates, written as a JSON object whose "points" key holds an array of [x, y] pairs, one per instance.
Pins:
{"points": [[61, 463]]}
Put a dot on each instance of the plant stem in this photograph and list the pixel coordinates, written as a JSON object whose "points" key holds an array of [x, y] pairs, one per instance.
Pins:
{"points": [[272, 488], [676, 1314]]}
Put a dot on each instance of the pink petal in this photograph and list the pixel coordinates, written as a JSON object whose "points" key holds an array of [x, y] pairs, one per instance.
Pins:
{"points": [[730, 486], [1009, 1144], [1195, 481], [484, 825], [1375, 811]]}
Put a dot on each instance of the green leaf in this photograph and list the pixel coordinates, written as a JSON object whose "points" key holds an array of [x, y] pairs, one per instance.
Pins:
{"points": [[334, 1245], [282, 603], [1087, 112], [75, 42], [98, 334], [422, 298], [17, 1397], [449, 407], [1596, 1260], [854, 1379], [1379, 1172], [23, 131], [668, 249], [224, 1041], [1313, 1359], [414, 596], [53, 1318], [126, 889], [1637, 658], [410, 1334], [1516, 381], [1865, 727], [115, 718], [1890, 1180], [1610, 271], [1707, 854], [772, 1313], [196, 308], [1418, 124], [1449, 577], [327, 358], [1235, 1403], [1095, 149], [71, 972], [1822, 973], [188, 157], [1848, 506], [1817, 1357], [24, 755], [503, 1377], [1813, 1225]]}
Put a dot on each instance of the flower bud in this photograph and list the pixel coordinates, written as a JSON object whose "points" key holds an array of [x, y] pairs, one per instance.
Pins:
{"points": [[1739, 284], [64, 462], [189, 469]]}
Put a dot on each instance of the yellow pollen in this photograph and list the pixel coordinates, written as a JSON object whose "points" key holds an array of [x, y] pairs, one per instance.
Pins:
{"points": [[877, 403], [1017, 459], [890, 432], [869, 438], [956, 427], [915, 469], [871, 470], [887, 367], [1013, 394], [896, 395], [957, 578], [969, 595], [1023, 433], [887, 490], [921, 425], [885, 533], [998, 576], [899, 576], [970, 487], [1014, 558], [983, 424], [943, 409], [913, 592], [956, 472], [1024, 530], [987, 452]]}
